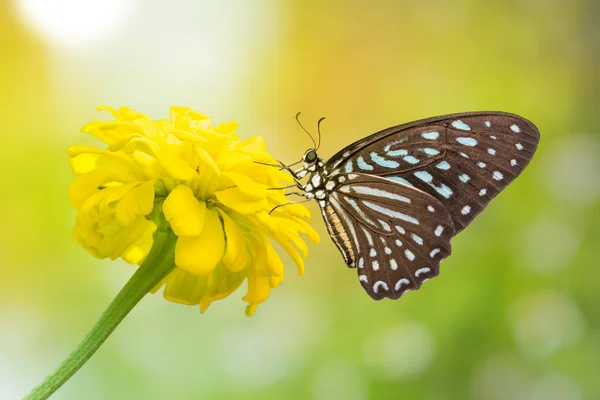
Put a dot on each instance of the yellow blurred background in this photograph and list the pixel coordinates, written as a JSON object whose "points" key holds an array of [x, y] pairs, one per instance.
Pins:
{"points": [[515, 313]]}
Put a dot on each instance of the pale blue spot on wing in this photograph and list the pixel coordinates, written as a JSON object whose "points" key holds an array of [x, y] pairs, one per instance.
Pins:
{"points": [[390, 145], [431, 152], [363, 165], [464, 177], [443, 165], [410, 160], [391, 213], [394, 153], [458, 124], [424, 176], [466, 141], [443, 190], [399, 179], [383, 162], [430, 135], [370, 191], [348, 168]]}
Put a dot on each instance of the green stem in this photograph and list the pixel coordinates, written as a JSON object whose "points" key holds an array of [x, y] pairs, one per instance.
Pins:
{"points": [[158, 263]]}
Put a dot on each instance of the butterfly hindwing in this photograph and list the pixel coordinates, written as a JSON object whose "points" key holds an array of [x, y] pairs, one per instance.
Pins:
{"points": [[394, 234], [463, 160]]}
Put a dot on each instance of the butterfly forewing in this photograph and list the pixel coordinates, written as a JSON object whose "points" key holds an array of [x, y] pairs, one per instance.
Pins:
{"points": [[394, 234], [463, 160]]}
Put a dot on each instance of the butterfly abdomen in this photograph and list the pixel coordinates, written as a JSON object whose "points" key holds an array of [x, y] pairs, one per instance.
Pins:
{"points": [[338, 234]]}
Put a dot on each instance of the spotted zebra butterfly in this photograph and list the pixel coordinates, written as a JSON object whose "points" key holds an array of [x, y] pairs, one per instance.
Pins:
{"points": [[393, 201]]}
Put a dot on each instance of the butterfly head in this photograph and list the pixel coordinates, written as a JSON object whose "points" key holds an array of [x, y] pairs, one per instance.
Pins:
{"points": [[310, 158]]}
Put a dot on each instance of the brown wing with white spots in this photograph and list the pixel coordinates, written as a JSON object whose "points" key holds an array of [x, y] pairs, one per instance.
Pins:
{"points": [[395, 235], [463, 160]]}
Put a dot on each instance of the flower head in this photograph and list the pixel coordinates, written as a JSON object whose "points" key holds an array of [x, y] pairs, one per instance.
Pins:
{"points": [[204, 183]]}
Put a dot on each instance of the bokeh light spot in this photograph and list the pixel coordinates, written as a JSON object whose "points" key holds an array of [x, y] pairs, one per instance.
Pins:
{"points": [[75, 22], [548, 245], [405, 350], [338, 380], [545, 322]]}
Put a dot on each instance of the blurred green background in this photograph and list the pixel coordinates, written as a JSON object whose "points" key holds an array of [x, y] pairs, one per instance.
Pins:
{"points": [[515, 313]]}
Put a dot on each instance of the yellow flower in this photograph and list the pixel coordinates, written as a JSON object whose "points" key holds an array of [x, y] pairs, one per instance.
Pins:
{"points": [[204, 182]]}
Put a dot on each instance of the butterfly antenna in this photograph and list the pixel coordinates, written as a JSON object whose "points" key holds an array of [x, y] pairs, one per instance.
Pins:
{"points": [[304, 129], [319, 131]]}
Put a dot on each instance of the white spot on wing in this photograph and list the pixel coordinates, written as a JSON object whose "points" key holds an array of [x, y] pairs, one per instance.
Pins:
{"points": [[330, 185], [375, 265], [464, 178], [409, 254], [458, 124], [465, 210], [393, 264], [401, 282], [417, 239], [481, 164], [519, 146], [398, 243], [438, 230], [379, 284], [373, 253], [515, 128], [430, 209], [363, 278], [422, 271], [497, 175], [482, 192], [513, 162], [487, 123], [434, 252], [491, 151]]}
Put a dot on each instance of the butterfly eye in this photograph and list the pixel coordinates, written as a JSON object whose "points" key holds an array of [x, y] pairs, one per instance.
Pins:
{"points": [[310, 156]]}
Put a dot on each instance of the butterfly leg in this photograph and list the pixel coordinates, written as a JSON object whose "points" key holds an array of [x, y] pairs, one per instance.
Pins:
{"points": [[288, 204]]}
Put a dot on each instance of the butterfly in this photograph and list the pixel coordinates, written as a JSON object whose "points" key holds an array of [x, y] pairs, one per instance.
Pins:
{"points": [[393, 201]]}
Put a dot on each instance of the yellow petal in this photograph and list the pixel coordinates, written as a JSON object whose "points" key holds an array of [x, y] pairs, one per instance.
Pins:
{"points": [[138, 202], [90, 183], [247, 185], [201, 254], [258, 289], [235, 199], [137, 251], [172, 161], [208, 173], [236, 255], [185, 212]]}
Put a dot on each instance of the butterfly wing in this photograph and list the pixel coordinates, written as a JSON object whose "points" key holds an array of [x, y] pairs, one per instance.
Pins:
{"points": [[463, 160], [394, 234]]}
